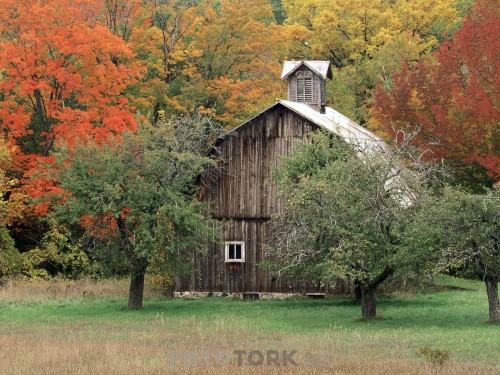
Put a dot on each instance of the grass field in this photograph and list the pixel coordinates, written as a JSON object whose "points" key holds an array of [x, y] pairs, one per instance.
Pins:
{"points": [[84, 328]]}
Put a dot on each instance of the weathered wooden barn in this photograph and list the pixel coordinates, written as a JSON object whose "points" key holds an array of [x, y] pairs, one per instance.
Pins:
{"points": [[240, 190]]}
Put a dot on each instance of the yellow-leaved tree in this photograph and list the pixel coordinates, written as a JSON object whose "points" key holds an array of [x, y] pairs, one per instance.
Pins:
{"points": [[221, 58], [366, 41]]}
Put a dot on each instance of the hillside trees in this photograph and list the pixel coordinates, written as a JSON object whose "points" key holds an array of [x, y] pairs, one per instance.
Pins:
{"points": [[217, 57], [74, 71], [139, 200], [453, 98], [343, 215], [366, 41], [118, 16], [240, 63], [159, 40]]}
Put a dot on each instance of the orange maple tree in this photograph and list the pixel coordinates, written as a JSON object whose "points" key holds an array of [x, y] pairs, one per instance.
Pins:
{"points": [[454, 97], [63, 79]]}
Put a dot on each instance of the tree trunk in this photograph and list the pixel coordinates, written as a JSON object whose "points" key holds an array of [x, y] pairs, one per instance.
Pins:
{"points": [[493, 302], [368, 303], [136, 291], [357, 292]]}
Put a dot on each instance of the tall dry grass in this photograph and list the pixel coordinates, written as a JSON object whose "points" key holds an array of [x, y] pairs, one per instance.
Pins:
{"points": [[165, 344], [59, 289], [114, 349]]}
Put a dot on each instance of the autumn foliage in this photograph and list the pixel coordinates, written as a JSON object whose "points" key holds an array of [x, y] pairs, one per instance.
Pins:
{"points": [[73, 71], [221, 58], [366, 41], [63, 79], [453, 98]]}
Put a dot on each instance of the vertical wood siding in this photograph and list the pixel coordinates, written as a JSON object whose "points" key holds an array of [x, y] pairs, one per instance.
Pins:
{"points": [[243, 197], [292, 88]]}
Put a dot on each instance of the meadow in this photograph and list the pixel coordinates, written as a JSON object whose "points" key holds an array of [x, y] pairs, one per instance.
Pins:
{"points": [[85, 328]]}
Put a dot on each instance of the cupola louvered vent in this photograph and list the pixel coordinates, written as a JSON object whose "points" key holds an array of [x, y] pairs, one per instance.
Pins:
{"points": [[306, 82]]}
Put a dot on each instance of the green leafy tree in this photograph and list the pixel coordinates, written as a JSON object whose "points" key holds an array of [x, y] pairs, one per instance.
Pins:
{"points": [[57, 254], [137, 196], [463, 229], [278, 11], [11, 206], [342, 215], [10, 259]]}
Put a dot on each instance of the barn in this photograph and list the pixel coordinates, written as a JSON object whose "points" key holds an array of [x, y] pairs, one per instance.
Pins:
{"points": [[240, 191]]}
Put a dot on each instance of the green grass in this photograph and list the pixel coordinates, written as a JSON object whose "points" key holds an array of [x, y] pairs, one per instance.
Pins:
{"points": [[453, 318]]}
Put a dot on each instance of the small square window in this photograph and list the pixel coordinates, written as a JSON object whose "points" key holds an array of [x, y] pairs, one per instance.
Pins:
{"points": [[235, 251]]}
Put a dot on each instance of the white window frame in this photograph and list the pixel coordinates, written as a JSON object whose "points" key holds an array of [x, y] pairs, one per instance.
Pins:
{"points": [[226, 251]]}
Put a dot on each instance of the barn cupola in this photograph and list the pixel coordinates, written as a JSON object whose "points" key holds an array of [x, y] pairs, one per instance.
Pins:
{"points": [[307, 82]]}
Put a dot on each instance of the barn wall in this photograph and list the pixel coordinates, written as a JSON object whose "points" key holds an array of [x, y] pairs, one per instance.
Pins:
{"points": [[242, 187], [213, 275], [241, 194]]}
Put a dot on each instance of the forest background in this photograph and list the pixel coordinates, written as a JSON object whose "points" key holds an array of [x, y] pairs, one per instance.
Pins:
{"points": [[74, 72]]}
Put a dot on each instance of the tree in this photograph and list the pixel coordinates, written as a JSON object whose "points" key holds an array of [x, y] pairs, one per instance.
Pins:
{"points": [[161, 43], [117, 15], [278, 11], [366, 41], [10, 209], [342, 215], [140, 198], [63, 76], [10, 259], [462, 229], [239, 65], [217, 57], [453, 98], [56, 254]]}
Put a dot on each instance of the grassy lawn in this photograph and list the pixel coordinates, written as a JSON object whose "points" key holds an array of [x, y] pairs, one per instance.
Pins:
{"points": [[56, 332]]}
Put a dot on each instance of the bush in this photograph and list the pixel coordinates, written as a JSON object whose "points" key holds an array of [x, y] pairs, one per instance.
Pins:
{"points": [[56, 255], [10, 259]]}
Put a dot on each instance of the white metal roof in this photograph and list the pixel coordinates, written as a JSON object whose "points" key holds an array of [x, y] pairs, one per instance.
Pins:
{"points": [[339, 124], [320, 67], [332, 121]]}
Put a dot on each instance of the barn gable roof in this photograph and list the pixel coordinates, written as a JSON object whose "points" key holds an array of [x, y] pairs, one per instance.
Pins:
{"points": [[332, 121], [319, 67], [364, 140], [340, 125]]}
